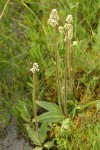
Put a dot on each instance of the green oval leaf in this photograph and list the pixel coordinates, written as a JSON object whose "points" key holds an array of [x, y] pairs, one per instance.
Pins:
{"points": [[33, 135], [48, 105], [51, 117]]}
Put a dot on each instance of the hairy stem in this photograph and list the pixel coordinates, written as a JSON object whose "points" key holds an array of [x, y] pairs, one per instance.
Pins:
{"points": [[57, 71], [70, 67], [66, 76], [34, 104]]}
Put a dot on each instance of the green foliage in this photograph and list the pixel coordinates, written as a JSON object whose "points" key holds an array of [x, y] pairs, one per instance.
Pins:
{"points": [[33, 136], [48, 106], [23, 111], [54, 114], [43, 132], [25, 38], [39, 139], [83, 138], [51, 117]]}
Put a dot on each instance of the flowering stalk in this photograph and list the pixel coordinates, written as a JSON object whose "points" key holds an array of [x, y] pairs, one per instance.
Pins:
{"points": [[53, 21], [69, 35], [69, 27], [70, 74], [65, 81], [61, 31], [57, 71], [34, 70], [34, 101]]}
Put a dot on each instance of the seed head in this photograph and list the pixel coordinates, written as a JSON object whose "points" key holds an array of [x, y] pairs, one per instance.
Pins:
{"points": [[52, 22], [69, 19], [68, 26], [54, 18], [61, 29], [54, 15], [70, 34], [74, 43], [35, 68], [65, 38]]}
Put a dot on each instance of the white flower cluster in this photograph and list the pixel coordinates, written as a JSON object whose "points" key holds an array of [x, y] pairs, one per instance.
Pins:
{"points": [[65, 38], [54, 18], [70, 34], [66, 124], [61, 29], [35, 68], [69, 19], [69, 26], [74, 43]]}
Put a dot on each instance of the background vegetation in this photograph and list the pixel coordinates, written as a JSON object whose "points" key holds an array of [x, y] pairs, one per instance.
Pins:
{"points": [[25, 38]]}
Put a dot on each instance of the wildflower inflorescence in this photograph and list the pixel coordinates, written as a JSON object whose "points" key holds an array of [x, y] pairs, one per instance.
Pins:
{"points": [[54, 18], [69, 27], [70, 34], [35, 68], [74, 43], [69, 19], [61, 29]]}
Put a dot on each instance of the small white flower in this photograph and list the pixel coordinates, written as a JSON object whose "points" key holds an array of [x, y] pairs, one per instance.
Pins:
{"points": [[68, 26], [35, 68], [61, 29], [65, 38], [66, 124], [74, 43], [54, 10], [70, 34], [54, 15], [54, 18], [69, 19], [52, 22]]}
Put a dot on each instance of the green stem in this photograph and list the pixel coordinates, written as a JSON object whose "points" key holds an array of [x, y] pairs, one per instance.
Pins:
{"points": [[69, 68], [34, 105], [3, 11], [65, 81], [57, 71]]}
